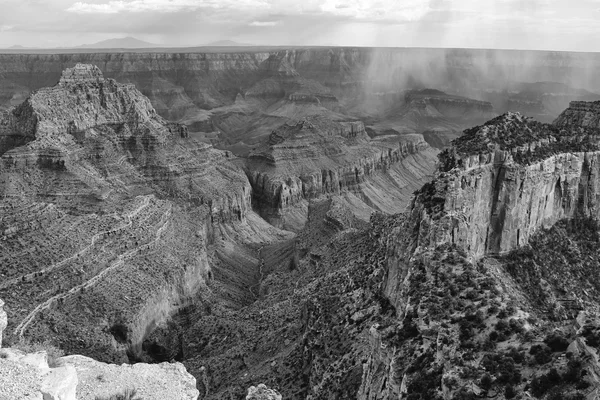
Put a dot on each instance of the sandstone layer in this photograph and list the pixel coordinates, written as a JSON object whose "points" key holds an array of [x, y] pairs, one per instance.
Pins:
{"points": [[99, 196], [504, 181], [317, 157]]}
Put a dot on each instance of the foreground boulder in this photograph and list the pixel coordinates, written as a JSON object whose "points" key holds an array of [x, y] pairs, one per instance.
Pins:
{"points": [[75, 377], [262, 392], [150, 381]]}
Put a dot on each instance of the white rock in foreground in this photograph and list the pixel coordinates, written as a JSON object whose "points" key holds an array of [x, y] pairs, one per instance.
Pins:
{"points": [[151, 381], [262, 392]]}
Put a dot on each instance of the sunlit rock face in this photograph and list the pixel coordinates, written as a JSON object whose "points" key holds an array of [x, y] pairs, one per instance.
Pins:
{"points": [[93, 180], [505, 180], [317, 157]]}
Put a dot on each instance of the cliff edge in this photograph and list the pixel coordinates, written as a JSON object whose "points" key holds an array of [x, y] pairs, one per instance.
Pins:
{"points": [[506, 179]]}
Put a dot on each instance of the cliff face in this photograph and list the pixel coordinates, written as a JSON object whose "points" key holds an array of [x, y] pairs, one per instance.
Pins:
{"points": [[317, 157], [580, 113], [86, 122], [102, 185], [492, 201], [183, 84]]}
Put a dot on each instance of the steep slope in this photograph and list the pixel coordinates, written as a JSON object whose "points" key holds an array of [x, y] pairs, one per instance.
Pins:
{"points": [[503, 181], [417, 306], [317, 157], [99, 196]]}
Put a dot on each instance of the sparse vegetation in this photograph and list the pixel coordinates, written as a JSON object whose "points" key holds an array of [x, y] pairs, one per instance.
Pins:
{"points": [[509, 131], [126, 394], [53, 352]]}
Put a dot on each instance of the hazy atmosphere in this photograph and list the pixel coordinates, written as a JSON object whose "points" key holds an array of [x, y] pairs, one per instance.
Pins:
{"points": [[513, 24]]}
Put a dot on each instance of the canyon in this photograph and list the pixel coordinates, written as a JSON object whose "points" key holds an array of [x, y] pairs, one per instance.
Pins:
{"points": [[312, 220]]}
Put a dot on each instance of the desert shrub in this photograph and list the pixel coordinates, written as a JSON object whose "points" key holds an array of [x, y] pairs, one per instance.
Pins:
{"points": [[502, 367], [557, 342], [516, 325], [541, 353], [425, 385], [126, 394], [486, 382], [516, 355], [591, 335], [543, 383], [51, 350], [510, 392], [464, 394], [493, 309]]}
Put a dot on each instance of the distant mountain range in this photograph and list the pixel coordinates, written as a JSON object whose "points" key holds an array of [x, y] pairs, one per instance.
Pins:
{"points": [[227, 43], [120, 43], [133, 43], [130, 42]]}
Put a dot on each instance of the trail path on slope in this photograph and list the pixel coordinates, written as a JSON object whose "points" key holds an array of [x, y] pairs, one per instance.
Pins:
{"points": [[20, 329], [94, 239]]}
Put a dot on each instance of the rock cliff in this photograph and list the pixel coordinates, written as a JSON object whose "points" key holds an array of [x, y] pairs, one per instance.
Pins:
{"points": [[504, 181], [318, 157], [580, 113], [99, 195], [439, 116], [28, 375]]}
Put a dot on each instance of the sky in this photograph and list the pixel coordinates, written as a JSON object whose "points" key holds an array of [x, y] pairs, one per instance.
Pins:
{"points": [[571, 25]]}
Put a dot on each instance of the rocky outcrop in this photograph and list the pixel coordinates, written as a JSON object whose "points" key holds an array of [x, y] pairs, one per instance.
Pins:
{"points": [[450, 106], [318, 157], [87, 119], [580, 113], [3, 320], [262, 392], [74, 377], [143, 196], [149, 381], [23, 375], [504, 181]]}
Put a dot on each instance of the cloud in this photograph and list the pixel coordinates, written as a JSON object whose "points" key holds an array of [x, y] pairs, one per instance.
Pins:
{"points": [[264, 23], [168, 6], [378, 10]]}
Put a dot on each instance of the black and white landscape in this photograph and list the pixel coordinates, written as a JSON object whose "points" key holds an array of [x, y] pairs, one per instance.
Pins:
{"points": [[263, 210]]}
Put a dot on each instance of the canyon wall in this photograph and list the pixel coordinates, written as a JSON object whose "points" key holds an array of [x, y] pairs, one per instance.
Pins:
{"points": [[98, 198], [580, 113], [316, 157], [531, 176], [181, 83]]}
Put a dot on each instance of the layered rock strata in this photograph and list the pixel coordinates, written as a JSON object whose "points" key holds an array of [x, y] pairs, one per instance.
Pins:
{"points": [[317, 157], [183, 84], [100, 195], [504, 181], [580, 113]]}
